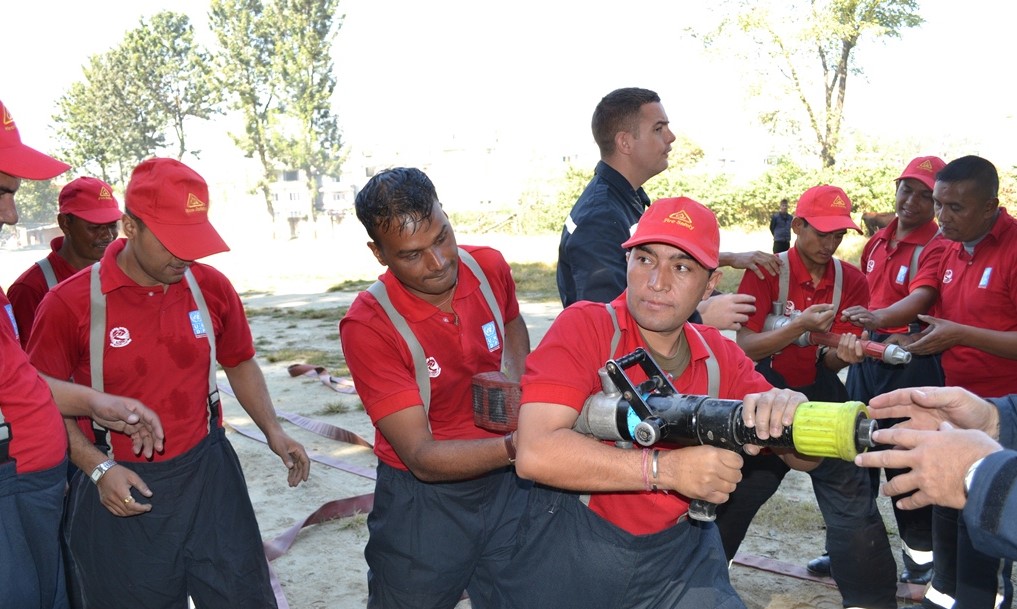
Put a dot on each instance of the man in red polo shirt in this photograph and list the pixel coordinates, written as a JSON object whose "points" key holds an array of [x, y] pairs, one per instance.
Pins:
{"points": [[88, 217], [892, 258], [33, 445], [975, 330], [446, 500], [633, 545], [810, 298], [151, 532]]}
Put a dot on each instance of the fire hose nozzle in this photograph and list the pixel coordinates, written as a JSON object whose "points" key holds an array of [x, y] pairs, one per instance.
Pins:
{"points": [[895, 354]]}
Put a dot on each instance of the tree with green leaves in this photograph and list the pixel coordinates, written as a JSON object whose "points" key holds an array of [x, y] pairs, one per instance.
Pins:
{"points": [[811, 44], [244, 72], [102, 131], [170, 72], [38, 202], [309, 137]]}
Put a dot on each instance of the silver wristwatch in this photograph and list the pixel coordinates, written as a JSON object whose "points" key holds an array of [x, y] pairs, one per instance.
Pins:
{"points": [[101, 469]]}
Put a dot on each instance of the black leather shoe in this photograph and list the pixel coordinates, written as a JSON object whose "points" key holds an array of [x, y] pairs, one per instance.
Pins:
{"points": [[819, 566], [919, 577]]}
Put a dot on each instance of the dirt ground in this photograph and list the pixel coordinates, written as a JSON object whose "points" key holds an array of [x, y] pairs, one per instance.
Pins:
{"points": [[283, 284]]}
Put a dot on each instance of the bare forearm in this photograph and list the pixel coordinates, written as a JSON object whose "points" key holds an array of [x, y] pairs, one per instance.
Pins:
{"points": [[569, 460], [249, 386], [72, 399], [907, 309], [449, 460], [760, 345], [1001, 344], [517, 347], [83, 453]]}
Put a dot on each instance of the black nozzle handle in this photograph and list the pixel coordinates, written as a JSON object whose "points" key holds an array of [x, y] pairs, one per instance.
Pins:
{"points": [[702, 510]]}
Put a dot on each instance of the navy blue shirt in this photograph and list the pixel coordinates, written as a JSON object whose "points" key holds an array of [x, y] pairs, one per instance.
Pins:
{"points": [[992, 500], [591, 261], [780, 226]]}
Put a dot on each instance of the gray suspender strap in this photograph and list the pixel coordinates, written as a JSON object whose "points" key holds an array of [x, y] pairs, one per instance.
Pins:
{"points": [[784, 281], [416, 351], [97, 336], [616, 337], [915, 255], [712, 366], [838, 284], [420, 372], [206, 321], [47, 272], [97, 328], [485, 289], [914, 263]]}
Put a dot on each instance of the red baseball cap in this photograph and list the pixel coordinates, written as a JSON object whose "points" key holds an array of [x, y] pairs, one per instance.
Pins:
{"points": [[923, 169], [21, 161], [827, 208], [683, 223], [172, 200], [90, 199]]}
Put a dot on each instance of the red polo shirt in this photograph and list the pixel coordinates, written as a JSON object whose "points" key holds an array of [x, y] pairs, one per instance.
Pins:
{"points": [[798, 364], [454, 345], [38, 438], [888, 269], [980, 290], [27, 290], [563, 370], [152, 350]]}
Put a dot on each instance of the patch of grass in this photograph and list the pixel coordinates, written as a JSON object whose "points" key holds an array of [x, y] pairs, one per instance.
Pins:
{"points": [[356, 521], [535, 280], [297, 355], [341, 407], [328, 313], [351, 285]]}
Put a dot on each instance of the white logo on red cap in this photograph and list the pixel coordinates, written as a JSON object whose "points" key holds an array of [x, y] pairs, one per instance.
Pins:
{"points": [[119, 337], [681, 218], [194, 204]]}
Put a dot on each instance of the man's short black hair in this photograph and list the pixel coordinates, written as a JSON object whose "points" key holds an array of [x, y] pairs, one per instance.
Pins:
{"points": [[975, 168], [618, 111], [402, 196]]}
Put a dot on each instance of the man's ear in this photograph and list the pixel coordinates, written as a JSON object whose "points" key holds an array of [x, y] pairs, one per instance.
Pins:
{"points": [[796, 225], [711, 283], [623, 142], [378, 255], [130, 226]]}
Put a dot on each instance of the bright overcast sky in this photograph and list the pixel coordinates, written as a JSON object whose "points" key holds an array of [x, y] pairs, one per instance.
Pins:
{"points": [[531, 71]]}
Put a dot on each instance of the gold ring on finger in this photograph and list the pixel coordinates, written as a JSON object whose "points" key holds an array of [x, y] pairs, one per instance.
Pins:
{"points": [[128, 499]]}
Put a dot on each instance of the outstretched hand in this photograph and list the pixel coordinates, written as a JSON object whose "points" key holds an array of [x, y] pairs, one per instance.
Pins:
{"points": [[293, 456], [130, 417], [938, 462]]}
